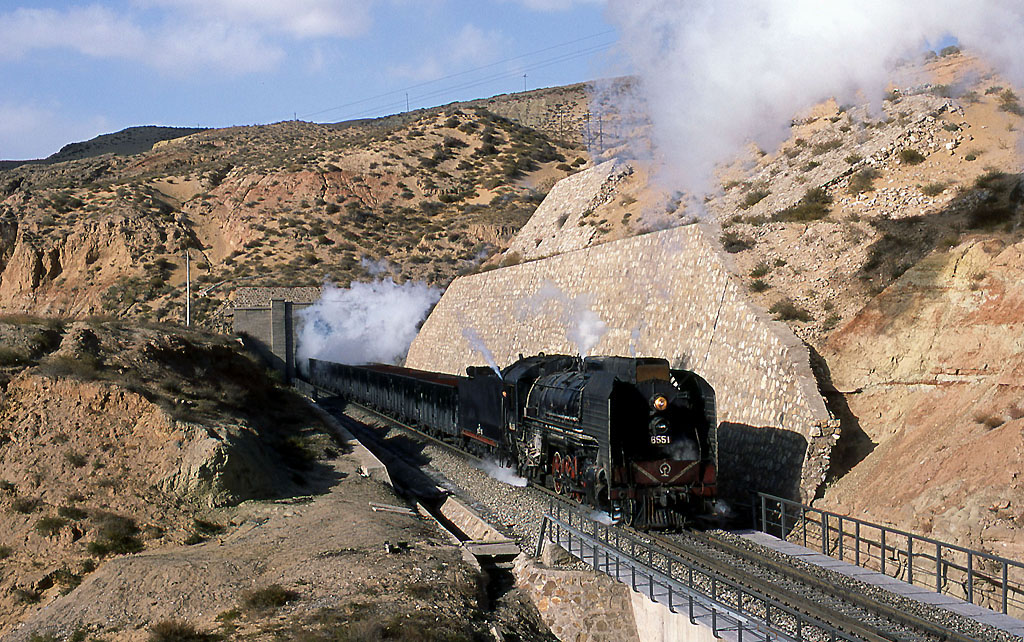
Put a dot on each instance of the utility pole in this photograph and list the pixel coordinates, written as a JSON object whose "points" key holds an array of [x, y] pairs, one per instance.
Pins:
{"points": [[407, 101], [524, 82], [188, 290]]}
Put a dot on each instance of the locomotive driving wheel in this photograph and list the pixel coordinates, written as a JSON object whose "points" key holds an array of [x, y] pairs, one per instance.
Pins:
{"points": [[556, 473]]}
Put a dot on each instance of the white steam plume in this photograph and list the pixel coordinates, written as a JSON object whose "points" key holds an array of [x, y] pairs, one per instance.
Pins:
{"points": [[584, 327], [717, 75], [368, 322], [478, 344], [504, 474]]}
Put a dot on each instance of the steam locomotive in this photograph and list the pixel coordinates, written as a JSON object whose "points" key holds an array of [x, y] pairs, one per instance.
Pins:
{"points": [[629, 436]]}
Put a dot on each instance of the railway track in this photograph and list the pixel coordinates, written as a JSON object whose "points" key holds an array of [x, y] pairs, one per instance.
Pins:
{"points": [[809, 591]]}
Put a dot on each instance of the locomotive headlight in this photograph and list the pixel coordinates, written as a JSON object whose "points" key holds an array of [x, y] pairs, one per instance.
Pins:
{"points": [[660, 403], [659, 427]]}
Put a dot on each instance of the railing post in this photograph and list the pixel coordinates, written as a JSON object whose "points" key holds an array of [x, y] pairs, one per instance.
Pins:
{"points": [[841, 536], [824, 533], [782, 520], [803, 520], [540, 538], [693, 620], [856, 542], [1004, 587], [764, 514], [910, 559], [714, 623], [739, 632], [970, 577], [938, 567], [671, 608], [882, 556]]}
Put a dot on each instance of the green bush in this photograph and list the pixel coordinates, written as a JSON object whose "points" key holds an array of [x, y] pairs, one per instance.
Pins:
{"points": [[25, 505], [786, 310], [812, 206], [934, 189], [115, 534], [268, 598], [754, 197], [50, 526], [732, 242], [863, 181], [175, 631], [911, 156], [759, 285]]}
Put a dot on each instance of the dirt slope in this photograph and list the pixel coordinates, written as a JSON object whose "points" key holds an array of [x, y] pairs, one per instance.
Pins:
{"points": [[114, 439]]}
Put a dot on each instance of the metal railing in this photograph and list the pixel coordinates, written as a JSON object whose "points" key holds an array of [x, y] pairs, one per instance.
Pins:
{"points": [[707, 598], [980, 578]]}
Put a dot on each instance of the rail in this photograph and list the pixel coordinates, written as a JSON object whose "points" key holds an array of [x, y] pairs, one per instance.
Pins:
{"points": [[730, 610], [977, 577]]}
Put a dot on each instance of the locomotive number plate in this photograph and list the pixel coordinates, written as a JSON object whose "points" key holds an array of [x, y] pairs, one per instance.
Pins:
{"points": [[660, 439]]}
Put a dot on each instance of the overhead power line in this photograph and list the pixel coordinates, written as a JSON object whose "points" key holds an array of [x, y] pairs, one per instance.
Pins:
{"points": [[540, 64]]}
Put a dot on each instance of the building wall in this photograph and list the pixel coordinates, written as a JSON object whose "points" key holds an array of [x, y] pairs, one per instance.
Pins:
{"points": [[664, 294], [273, 331]]}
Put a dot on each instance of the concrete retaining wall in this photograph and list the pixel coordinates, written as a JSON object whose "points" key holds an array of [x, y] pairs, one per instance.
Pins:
{"points": [[664, 294]]}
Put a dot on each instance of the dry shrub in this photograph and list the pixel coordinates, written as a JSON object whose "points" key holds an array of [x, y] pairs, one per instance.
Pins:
{"points": [[989, 420], [268, 598]]}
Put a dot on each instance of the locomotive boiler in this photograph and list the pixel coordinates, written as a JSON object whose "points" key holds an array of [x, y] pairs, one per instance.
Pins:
{"points": [[630, 436]]}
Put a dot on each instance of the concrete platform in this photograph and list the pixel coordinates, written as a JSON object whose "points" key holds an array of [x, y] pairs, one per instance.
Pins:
{"points": [[910, 591]]}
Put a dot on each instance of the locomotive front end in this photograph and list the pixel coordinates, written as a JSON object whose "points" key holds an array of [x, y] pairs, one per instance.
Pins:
{"points": [[671, 469]]}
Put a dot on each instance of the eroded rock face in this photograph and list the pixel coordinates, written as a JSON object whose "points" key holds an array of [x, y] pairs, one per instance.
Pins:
{"points": [[934, 366]]}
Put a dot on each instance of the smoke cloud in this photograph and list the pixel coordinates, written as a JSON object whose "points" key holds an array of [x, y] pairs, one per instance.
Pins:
{"points": [[366, 323], [478, 344], [584, 327], [717, 75]]}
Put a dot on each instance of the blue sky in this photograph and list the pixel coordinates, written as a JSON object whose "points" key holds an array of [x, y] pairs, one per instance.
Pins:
{"points": [[72, 70]]}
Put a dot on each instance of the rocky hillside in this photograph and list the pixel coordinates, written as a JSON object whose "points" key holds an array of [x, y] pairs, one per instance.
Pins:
{"points": [[890, 242], [116, 439], [288, 204]]}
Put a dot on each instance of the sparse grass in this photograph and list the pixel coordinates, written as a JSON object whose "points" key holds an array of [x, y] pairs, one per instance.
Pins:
{"points": [[177, 631], [25, 505], [50, 525], [989, 420], [759, 285], [760, 270], [1009, 102], [909, 156], [268, 598], [786, 310], [812, 206], [5, 552], [116, 534], [75, 458], [934, 189], [863, 181], [734, 242], [753, 197], [826, 146]]}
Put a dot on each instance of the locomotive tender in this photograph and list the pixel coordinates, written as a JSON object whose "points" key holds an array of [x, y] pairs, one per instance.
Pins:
{"points": [[630, 436]]}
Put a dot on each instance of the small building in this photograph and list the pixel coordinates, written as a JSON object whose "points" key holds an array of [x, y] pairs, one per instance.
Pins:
{"points": [[265, 316]]}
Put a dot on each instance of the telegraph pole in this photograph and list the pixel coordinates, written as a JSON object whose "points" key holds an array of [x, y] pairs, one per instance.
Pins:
{"points": [[524, 82], [188, 290]]}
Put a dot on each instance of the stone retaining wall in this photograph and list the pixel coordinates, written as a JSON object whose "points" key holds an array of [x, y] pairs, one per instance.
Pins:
{"points": [[664, 294], [578, 605]]}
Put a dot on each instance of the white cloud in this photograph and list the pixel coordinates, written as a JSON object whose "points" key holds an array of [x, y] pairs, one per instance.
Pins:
{"points": [[470, 47], [556, 5], [297, 18], [27, 128], [175, 47]]}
